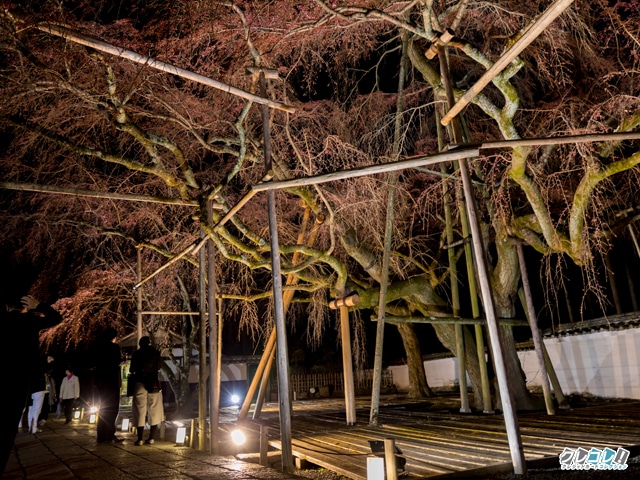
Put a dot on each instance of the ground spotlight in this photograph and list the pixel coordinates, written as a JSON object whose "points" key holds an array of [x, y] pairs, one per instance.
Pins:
{"points": [[238, 437], [125, 424], [181, 433]]}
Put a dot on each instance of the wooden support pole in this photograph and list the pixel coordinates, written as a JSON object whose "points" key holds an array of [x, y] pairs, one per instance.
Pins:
{"points": [[264, 445], [292, 279], [264, 381], [528, 36], [347, 367], [348, 301], [535, 331], [253, 386], [192, 432], [557, 388], [391, 468]]}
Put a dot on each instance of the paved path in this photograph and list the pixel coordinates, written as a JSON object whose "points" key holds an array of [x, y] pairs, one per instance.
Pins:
{"points": [[65, 452]]}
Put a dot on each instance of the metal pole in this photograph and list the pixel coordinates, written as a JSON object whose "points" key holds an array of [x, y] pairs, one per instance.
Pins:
{"points": [[202, 354], [535, 331], [139, 296], [281, 330], [510, 419], [214, 336]]}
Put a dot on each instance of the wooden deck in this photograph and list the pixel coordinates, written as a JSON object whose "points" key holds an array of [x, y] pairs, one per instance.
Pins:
{"points": [[436, 440]]}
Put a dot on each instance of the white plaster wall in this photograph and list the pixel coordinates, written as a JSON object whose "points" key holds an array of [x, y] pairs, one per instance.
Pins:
{"points": [[442, 372], [228, 372], [233, 372], [606, 364]]}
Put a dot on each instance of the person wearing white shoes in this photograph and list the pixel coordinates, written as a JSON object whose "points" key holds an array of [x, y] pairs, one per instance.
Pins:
{"points": [[38, 390]]}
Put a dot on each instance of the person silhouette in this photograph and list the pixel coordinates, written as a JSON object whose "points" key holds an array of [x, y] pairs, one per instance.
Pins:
{"points": [[21, 322]]}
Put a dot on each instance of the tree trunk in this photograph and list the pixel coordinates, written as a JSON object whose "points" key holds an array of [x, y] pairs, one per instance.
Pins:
{"points": [[418, 386]]}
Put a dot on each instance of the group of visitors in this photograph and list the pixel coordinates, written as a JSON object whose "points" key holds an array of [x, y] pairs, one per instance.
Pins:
{"points": [[32, 380], [61, 394]]}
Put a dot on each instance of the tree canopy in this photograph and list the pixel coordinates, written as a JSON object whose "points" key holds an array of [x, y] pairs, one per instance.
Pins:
{"points": [[75, 118]]}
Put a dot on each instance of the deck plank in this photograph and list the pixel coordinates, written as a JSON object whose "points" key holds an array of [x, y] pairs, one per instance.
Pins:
{"points": [[437, 442]]}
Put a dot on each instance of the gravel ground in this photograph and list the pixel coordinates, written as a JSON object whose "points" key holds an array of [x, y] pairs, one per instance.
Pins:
{"points": [[320, 474]]}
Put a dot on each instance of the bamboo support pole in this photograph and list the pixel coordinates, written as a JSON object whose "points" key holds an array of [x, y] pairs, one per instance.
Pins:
{"points": [[388, 234], [453, 279], [453, 320], [535, 331], [528, 36], [73, 36], [487, 406]]}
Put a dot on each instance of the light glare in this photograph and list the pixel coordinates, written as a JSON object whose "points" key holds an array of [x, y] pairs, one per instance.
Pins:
{"points": [[238, 437]]}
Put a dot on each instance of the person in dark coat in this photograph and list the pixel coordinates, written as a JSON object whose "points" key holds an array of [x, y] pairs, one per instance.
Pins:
{"points": [[147, 397], [108, 382], [21, 325]]}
